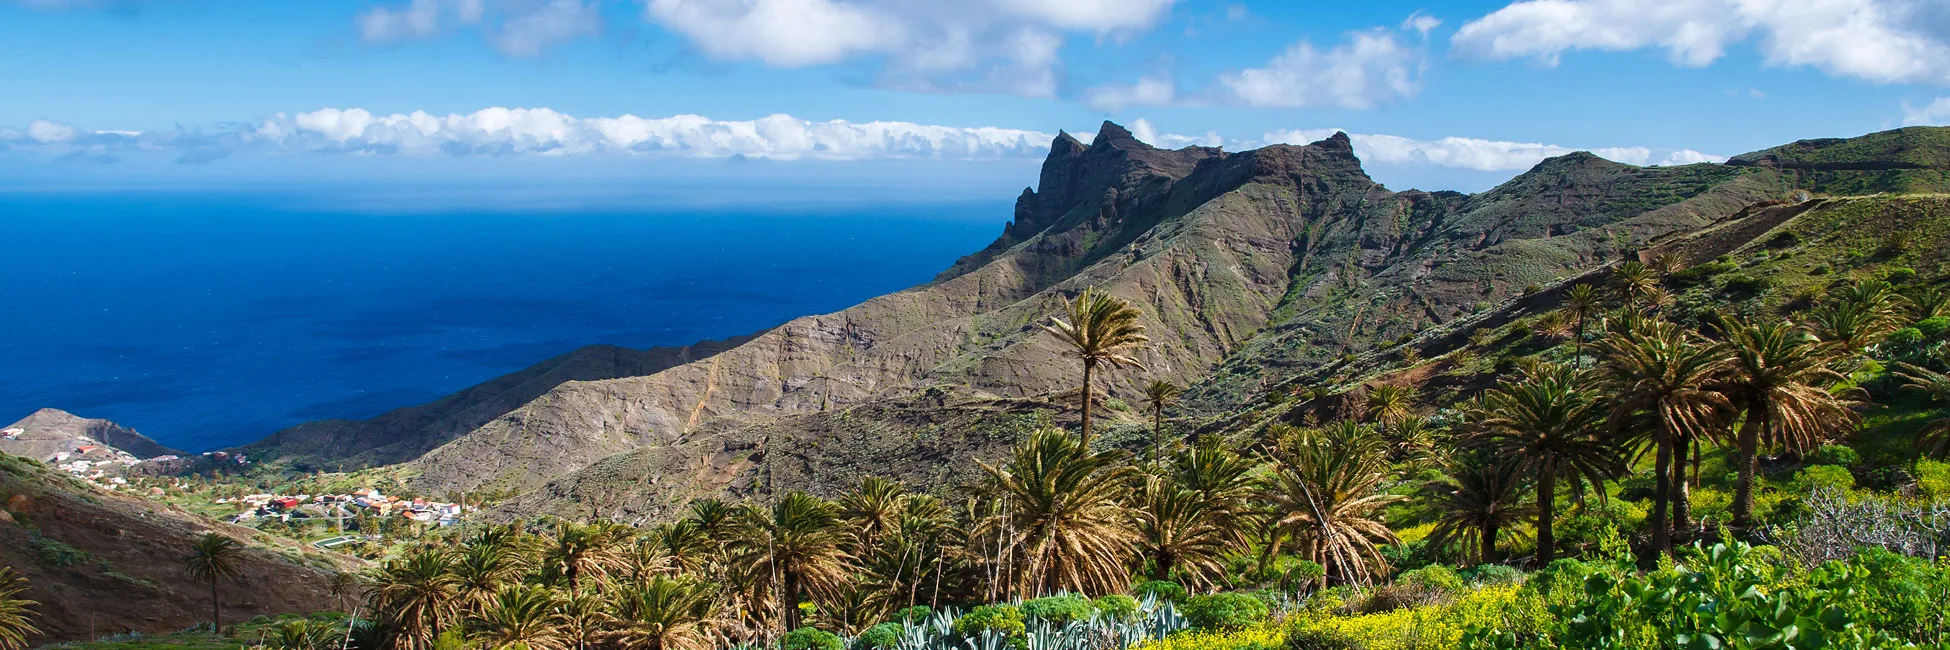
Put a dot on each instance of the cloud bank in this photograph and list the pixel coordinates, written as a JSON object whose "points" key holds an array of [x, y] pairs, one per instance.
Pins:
{"points": [[1886, 41], [545, 132]]}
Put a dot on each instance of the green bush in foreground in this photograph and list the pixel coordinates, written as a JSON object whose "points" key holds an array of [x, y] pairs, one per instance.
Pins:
{"points": [[1116, 606], [1224, 611], [1735, 596], [1006, 620], [1057, 610], [885, 636], [807, 638]]}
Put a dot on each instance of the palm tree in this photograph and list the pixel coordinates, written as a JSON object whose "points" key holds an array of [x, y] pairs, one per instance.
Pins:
{"points": [[662, 614], [347, 586], [798, 546], [1101, 329], [1222, 477], [1635, 283], [1928, 302], [1850, 324], [1065, 514], [1326, 490], [872, 510], [417, 595], [1934, 439], [483, 565], [1664, 264], [1780, 377], [1654, 367], [1389, 403], [669, 549], [519, 617], [579, 551], [1157, 395], [212, 559], [1481, 497], [1181, 531], [16, 613], [1583, 302], [1552, 426]]}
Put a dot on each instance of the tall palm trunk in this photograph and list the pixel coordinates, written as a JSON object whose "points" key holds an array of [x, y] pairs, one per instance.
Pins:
{"points": [[1749, 443], [1580, 340], [1089, 369], [1158, 434], [216, 609], [791, 601], [1662, 468], [1681, 494], [1696, 461], [1546, 513], [1489, 544]]}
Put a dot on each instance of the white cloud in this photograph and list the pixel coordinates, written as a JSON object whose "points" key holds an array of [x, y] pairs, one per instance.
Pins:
{"points": [[1144, 131], [1877, 40], [1474, 153], [1936, 113], [785, 33], [1421, 23], [1150, 91], [1008, 46], [514, 27], [544, 132], [541, 131], [1373, 68]]}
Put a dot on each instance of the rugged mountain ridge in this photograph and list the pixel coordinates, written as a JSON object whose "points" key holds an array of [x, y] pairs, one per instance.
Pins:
{"points": [[1251, 268]]}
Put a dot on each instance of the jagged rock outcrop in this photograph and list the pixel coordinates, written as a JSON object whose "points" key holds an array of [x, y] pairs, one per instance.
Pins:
{"points": [[50, 431]]}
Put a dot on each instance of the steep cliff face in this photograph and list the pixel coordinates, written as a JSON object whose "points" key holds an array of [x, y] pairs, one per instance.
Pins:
{"points": [[1251, 269], [1201, 242]]}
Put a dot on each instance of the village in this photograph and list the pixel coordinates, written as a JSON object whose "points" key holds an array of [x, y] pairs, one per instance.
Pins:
{"points": [[338, 508]]}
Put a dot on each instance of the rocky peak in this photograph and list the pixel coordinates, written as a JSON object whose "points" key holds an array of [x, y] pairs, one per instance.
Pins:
{"points": [[48, 431], [1113, 136]]}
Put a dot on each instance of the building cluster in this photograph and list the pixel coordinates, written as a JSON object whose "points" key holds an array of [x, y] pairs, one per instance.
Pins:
{"points": [[343, 506]]}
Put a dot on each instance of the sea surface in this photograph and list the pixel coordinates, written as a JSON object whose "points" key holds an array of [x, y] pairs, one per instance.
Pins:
{"points": [[206, 319]]}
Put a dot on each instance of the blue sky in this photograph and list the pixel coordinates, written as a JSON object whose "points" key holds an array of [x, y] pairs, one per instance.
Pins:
{"points": [[958, 94]]}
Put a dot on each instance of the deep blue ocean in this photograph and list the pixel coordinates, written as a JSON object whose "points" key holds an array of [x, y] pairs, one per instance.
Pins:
{"points": [[206, 319]]}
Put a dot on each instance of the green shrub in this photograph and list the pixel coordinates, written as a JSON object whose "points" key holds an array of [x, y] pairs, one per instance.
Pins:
{"points": [[1699, 273], [915, 614], [885, 636], [807, 638], [1745, 284], [1224, 611], [1162, 590], [1116, 606], [1823, 477], [1841, 455], [1904, 338], [1933, 327], [1784, 239], [1005, 620], [1820, 269], [1899, 275], [56, 553], [1058, 610], [1493, 574], [1434, 576], [1932, 479]]}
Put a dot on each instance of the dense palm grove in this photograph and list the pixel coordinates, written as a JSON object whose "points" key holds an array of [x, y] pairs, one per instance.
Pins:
{"points": [[1582, 465]]}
